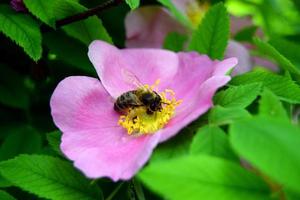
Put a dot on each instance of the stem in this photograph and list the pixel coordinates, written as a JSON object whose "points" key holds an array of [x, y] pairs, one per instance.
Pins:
{"points": [[83, 15], [87, 13], [111, 196], [138, 189]]}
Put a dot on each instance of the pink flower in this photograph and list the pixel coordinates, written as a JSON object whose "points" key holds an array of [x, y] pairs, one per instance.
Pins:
{"points": [[83, 107], [18, 5], [148, 26]]}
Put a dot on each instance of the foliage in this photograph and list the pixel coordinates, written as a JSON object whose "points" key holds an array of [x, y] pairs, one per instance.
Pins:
{"points": [[245, 147], [212, 34]]}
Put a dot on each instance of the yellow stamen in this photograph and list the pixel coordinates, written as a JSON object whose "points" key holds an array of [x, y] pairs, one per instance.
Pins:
{"points": [[138, 122], [196, 11]]}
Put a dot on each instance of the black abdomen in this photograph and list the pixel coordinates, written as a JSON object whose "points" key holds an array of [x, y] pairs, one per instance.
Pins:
{"points": [[125, 101]]}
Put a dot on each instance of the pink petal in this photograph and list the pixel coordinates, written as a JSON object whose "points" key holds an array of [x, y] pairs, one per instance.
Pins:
{"points": [[196, 106], [148, 26], [147, 65], [81, 103], [108, 152], [235, 49], [83, 111], [195, 83]]}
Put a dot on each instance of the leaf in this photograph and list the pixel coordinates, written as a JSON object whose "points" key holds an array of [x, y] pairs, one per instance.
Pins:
{"points": [[246, 34], [41, 10], [283, 87], [4, 182], [221, 116], [48, 177], [269, 105], [54, 139], [22, 139], [212, 35], [133, 4], [175, 147], [175, 41], [291, 195], [23, 30], [267, 49], [177, 14], [238, 96], [288, 49], [272, 146], [86, 30], [196, 176], [213, 141], [5, 196], [12, 89], [56, 42]]}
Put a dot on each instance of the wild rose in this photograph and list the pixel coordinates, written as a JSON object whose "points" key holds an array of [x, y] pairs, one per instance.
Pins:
{"points": [[104, 143], [18, 5], [149, 25]]}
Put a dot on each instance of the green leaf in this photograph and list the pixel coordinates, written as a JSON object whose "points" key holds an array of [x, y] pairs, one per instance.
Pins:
{"points": [[246, 34], [269, 105], [48, 177], [221, 116], [86, 30], [23, 139], [282, 86], [175, 147], [212, 35], [200, 176], [182, 18], [133, 4], [272, 146], [238, 96], [175, 41], [23, 30], [4, 183], [213, 141], [41, 10], [12, 89], [5, 196], [288, 49], [291, 195], [54, 139], [267, 49], [56, 42]]}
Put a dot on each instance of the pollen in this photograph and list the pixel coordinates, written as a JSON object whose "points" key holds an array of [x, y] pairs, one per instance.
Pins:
{"points": [[138, 122]]}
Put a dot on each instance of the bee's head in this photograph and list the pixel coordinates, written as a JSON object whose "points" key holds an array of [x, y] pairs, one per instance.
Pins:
{"points": [[152, 100]]}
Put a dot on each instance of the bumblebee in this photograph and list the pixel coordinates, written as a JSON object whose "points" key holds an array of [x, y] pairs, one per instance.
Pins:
{"points": [[140, 97]]}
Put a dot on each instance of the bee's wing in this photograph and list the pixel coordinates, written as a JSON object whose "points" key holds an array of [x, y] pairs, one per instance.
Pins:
{"points": [[130, 78]]}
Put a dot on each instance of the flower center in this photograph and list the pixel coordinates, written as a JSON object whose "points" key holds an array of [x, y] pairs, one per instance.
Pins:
{"points": [[138, 120], [196, 11]]}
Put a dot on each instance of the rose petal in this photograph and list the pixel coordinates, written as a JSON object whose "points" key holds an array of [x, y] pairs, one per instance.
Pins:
{"points": [[81, 103], [238, 50], [83, 111], [197, 104], [193, 71], [108, 152], [147, 65], [148, 26]]}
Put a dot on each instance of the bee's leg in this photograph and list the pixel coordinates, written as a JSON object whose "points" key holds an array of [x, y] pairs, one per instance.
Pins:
{"points": [[149, 112]]}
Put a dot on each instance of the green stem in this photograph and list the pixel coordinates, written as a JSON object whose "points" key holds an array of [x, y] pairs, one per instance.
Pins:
{"points": [[116, 190], [138, 189]]}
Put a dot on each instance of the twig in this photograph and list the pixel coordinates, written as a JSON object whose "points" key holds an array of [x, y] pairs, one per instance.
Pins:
{"points": [[87, 13], [83, 15]]}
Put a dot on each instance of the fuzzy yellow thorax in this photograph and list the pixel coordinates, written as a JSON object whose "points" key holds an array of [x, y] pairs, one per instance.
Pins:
{"points": [[138, 122]]}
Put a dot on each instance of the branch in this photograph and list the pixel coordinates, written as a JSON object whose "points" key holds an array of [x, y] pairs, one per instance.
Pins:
{"points": [[83, 15], [87, 13]]}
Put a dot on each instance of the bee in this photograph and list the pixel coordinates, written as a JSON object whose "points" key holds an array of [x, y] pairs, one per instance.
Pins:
{"points": [[142, 96]]}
